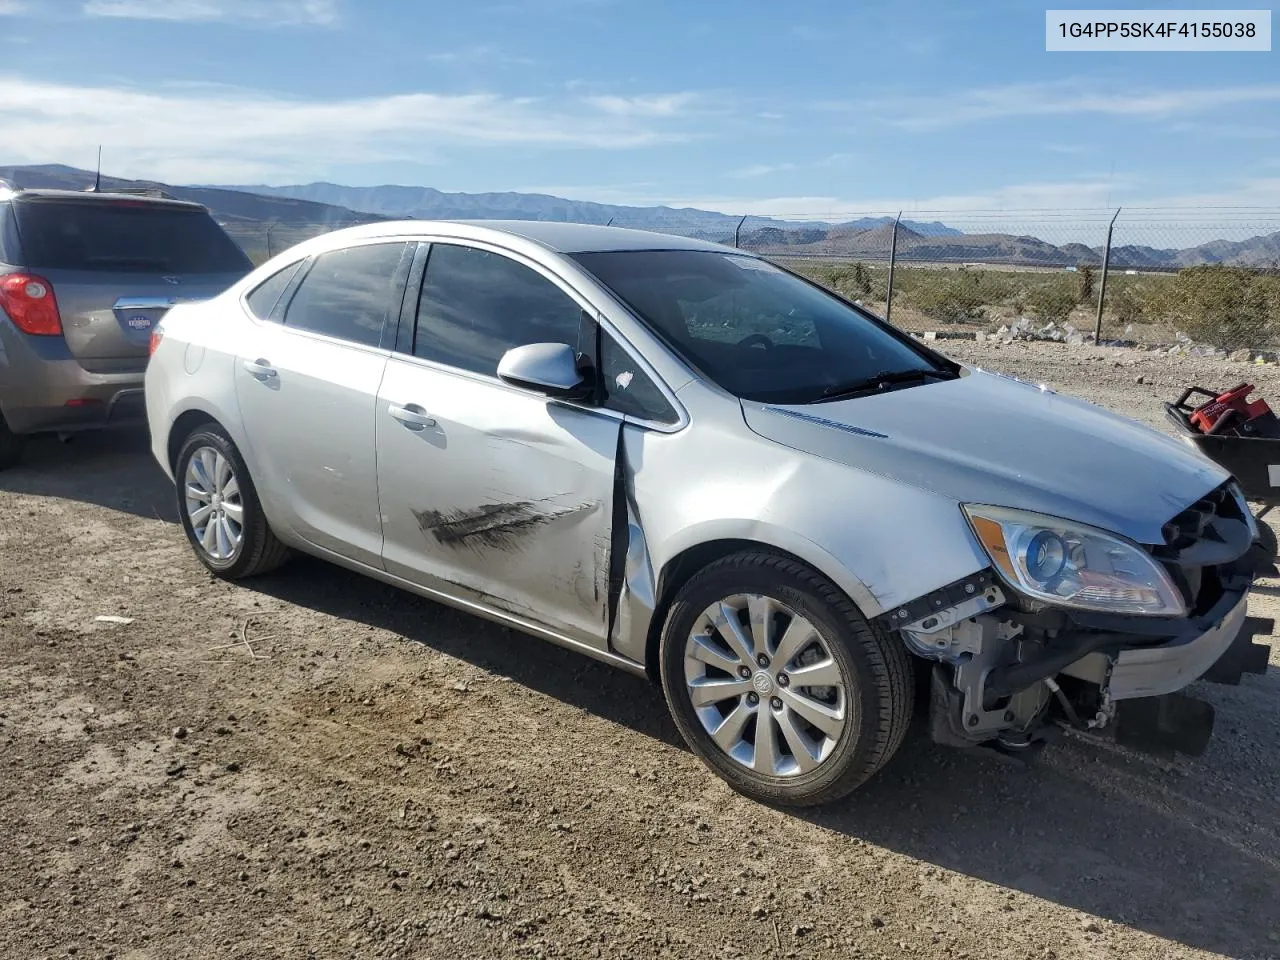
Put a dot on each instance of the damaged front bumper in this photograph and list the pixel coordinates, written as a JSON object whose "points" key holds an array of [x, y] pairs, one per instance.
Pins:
{"points": [[1005, 675], [1221, 653]]}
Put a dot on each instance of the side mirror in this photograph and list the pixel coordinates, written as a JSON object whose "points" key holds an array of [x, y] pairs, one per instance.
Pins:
{"points": [[550, 368]]}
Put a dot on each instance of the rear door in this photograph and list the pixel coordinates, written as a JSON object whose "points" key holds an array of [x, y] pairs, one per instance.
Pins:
{"points": [[116, 265], [307, 388]]}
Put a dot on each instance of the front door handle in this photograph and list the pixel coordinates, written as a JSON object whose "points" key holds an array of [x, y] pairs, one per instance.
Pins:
{"points": [[411, 415], [260, 369]]}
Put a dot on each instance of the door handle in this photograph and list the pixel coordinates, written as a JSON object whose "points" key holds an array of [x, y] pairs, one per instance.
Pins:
{"points": [[260, 369], [411, 415]]}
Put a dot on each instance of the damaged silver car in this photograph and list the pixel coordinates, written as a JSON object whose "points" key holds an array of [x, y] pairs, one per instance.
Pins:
{"points": [[697, 466]]}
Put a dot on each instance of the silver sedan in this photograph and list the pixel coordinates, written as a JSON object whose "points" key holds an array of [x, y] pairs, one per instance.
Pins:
{"points": [[690, 463]]}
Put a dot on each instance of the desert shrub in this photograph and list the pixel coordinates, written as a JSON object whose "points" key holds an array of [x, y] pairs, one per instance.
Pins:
{"points": [[855, 280], [1130, 303], [861, 279], [1228, 307], [951, 296], [1051, 302], [1086, 282]]}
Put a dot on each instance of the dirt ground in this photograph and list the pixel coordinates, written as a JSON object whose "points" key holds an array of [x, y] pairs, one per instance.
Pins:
{"points": [[315, 765]]}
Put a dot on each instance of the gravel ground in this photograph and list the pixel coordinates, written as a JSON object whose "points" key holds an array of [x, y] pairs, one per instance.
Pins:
{"points": [[315, 765]]}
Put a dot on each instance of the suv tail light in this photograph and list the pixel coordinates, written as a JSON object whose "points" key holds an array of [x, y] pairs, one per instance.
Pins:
{"points": [[30, 304], [157, 334]]}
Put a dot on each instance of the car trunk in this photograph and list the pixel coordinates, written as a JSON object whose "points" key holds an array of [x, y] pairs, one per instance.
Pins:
{"points": [[117, 265]]}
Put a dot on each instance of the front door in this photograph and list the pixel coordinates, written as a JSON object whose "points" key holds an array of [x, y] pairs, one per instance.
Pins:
{"points": [[307, 390], [488, 487]]}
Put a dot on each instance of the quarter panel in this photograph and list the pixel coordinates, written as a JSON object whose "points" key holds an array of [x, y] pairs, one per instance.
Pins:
{"points": [[194, 370]]}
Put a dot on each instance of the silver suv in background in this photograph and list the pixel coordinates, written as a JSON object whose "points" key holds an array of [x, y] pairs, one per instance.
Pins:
{"points": [[83, 279]]}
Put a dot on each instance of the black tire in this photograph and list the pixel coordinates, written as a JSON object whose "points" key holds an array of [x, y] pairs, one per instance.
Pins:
{"points": [[875, 669], [11, 446], [259, 550], [1267, 537]]}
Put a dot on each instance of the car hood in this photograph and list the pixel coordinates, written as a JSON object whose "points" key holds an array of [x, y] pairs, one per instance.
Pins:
{"points": [[988, 438]]}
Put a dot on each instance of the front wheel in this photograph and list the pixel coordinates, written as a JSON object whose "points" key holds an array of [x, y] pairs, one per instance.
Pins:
{"points": [[778, 682], [220, 510]]}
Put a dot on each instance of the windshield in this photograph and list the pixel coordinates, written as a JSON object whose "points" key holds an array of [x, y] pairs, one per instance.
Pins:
{"points": [[759, 332], [125, 236]]}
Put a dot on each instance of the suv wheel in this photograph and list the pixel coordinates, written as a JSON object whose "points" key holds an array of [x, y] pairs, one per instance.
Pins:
{"points": [[11, 446], [220, 509], [778, 682]]}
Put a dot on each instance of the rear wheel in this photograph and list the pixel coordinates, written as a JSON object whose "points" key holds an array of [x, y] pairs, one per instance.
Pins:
{"points": [[779, 683], [11, 446], [220, 510]]}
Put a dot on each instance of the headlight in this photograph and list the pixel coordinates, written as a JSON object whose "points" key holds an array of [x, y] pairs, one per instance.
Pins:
{"points": [[1073, 565]]}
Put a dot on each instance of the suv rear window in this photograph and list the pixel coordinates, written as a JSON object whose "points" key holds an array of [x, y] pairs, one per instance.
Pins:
{"points": [[124, 236]]}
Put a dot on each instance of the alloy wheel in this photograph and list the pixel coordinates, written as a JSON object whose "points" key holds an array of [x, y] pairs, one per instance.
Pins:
{"points": [[213, 503], [765, 686]]}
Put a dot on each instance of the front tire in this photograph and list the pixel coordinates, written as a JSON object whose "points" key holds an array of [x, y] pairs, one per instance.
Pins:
{"points": [[777, 681], [220, 509]]}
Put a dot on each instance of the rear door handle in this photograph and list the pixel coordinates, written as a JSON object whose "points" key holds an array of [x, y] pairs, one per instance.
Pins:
{"points": [[411, 415], [260, 369]]}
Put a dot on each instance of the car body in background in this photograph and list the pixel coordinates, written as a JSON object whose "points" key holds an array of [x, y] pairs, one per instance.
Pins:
{"points": [[690, 463], [83, 279]]}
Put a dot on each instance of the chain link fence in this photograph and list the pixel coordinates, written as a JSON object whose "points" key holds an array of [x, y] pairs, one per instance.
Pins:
{"points": [[1202, 279]]}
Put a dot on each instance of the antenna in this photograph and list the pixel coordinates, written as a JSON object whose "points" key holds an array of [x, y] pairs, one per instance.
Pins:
{"points": [[97, 175]]}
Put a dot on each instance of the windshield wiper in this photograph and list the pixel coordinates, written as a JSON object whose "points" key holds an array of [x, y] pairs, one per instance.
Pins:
{"points": [[882, 380]]}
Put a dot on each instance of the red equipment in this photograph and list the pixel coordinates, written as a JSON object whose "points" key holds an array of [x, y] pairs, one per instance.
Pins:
{"points": [[1231, 412]]}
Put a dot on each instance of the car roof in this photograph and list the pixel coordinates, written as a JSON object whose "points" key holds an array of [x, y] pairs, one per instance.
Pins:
{"points": [[94, 196], [565, 238]]}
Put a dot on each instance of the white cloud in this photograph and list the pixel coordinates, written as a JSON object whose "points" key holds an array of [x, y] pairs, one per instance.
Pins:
{"points": [[760, 170], [191, 133], [661, 105], [11, 8], [278, 12], [480, 54], [1057, 98]]}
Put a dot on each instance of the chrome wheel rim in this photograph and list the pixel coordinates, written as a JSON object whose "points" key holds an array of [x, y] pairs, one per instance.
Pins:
{"points": [[765, 686], [214, 507]]}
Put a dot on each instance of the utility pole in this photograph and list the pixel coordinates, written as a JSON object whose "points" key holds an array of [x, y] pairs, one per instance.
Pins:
{"points": [[893, 259], [1102, 285]]}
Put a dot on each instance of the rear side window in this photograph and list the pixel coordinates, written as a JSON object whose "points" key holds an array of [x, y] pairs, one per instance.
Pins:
{"points": [[352, 294], [124, 236], [264, 297], [476, 305]]}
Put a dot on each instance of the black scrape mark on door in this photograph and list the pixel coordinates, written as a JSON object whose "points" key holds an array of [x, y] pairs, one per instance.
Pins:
{"points": [[496, 525]]}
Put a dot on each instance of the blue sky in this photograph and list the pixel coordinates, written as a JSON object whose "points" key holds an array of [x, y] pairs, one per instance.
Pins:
{"points": [[810, 107]]}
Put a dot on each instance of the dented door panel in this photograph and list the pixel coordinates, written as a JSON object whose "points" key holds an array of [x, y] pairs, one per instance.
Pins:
{"points": [[504, 494]]}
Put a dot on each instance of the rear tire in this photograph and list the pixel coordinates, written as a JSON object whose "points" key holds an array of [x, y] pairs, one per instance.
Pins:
{"points": [[11, 446], [827, 694], [220, 509]]}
